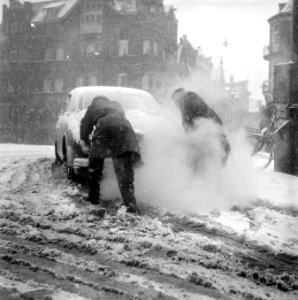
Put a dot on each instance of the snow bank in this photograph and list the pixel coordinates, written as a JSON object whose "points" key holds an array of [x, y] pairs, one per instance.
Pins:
{"points": [[278, 188]]}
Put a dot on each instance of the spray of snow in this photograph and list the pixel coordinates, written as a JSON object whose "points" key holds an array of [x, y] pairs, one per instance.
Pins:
{"points": [[183, 171]]}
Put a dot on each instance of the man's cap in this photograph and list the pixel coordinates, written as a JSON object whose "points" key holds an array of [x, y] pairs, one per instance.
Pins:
{"points": [[99, 99], [178, 90]]}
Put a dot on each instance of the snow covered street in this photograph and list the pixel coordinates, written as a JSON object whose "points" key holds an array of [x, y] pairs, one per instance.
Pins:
{"points": [[55, 244]]}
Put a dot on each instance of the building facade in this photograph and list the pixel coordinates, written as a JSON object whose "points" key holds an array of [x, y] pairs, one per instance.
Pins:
{"points": [[279, 49], [50, 47]]}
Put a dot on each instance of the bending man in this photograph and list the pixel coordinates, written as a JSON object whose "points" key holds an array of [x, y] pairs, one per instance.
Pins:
{"points": [[193, 108], [113, 137]]}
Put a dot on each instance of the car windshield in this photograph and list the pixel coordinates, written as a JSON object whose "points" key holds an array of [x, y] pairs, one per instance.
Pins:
{"points": [[128, 102]]}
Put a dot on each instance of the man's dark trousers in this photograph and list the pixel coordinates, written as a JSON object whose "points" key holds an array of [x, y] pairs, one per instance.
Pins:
{"points": [[123, 166]]}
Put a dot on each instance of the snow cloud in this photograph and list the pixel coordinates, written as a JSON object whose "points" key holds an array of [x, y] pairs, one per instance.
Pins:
{"points": [[183, 171]]}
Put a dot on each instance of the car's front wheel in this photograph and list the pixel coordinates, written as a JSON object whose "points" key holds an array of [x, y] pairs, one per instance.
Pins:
{"points": [[57, 157]]}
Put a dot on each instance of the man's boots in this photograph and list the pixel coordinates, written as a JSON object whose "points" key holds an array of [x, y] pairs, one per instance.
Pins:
{"points": [[93, 183], [133, 209]]}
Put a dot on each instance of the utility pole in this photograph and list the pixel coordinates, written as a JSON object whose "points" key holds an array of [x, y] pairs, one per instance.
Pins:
{"points": [[293, 96], [285, 96]]}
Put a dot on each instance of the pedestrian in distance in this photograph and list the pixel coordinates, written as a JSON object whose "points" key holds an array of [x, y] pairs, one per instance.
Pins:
{"points": [[193, 108], [113, 137]]}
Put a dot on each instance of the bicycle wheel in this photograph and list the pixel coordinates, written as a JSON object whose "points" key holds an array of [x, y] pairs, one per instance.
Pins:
{"points": [[263, 153], [255, 142]]}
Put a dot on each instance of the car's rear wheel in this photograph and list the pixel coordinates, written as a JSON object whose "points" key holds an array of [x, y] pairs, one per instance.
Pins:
{"points": [[70, 172]]}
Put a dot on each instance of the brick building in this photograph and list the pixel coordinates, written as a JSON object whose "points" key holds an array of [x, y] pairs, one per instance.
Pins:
{"points": [[53, 46], [192, 60], [279, 49]]}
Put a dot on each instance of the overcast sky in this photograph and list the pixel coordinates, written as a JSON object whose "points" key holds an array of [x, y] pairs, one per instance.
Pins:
{"points": [[207, 23]]}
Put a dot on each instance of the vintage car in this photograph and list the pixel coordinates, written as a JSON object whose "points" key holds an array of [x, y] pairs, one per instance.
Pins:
{"points": [[138, 105]]}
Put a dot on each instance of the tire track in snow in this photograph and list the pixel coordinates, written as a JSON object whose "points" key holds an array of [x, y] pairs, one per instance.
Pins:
{"points": [[46, 230]]}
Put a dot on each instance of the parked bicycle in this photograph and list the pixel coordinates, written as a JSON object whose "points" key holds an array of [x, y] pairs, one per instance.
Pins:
{"points": [[263, 141]]}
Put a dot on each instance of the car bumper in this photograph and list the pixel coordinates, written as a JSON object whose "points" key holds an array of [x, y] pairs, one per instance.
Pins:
{"points": [[80, 163]]}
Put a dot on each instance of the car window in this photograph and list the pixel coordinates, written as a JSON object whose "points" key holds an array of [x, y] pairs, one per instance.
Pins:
{"points": [[128, 102]]}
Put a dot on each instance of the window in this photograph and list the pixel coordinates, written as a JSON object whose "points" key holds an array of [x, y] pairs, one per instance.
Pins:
{"points": [[13, 55], [60, 53], [98, 18], [46, 85], [275, 39], [92, 5], [123, 47], [145, 82], [50, 54], [79, 81], [59, 85], [146, 47], [24, 54], [91, 19], [155, 48], [92, 80], [122, 79]]}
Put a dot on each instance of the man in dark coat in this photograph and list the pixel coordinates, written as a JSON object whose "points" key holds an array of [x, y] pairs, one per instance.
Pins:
{"points": [[193, 108], [113, 137]]}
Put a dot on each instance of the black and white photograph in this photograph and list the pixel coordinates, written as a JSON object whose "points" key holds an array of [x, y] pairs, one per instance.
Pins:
{"points": [[148, 149]]}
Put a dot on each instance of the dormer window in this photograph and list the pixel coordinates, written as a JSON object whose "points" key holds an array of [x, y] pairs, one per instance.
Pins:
{"points": [[51, 13]]}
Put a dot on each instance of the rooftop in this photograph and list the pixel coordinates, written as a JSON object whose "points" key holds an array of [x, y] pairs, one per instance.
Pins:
{"points": [[288, 7], [49, 11]]}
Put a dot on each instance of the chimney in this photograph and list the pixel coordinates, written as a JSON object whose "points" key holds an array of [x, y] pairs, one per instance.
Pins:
{"points": [[281, 6]]}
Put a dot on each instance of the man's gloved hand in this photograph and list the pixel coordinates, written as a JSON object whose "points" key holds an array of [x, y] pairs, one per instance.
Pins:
{"points": [[85, 148]]}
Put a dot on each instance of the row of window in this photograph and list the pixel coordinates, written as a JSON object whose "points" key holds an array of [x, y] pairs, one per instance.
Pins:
{"points": [[52, 54], [91, 19], [53, 85], [87, 80], [149, 48], [91, 5], [56, 85], [18, 55], [148, 81], [55, 54]]}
